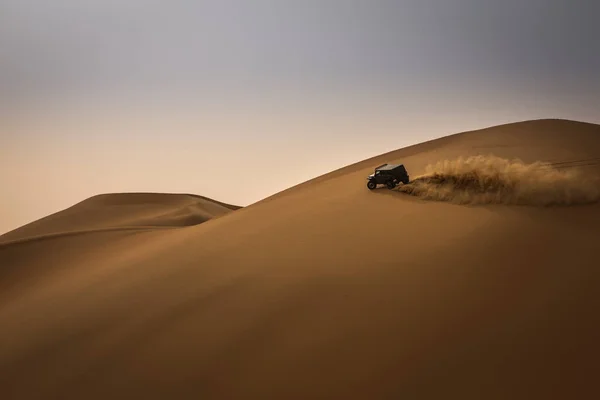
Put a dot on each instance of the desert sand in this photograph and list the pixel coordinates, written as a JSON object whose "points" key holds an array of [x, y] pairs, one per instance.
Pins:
{"points": [[479, 280]]}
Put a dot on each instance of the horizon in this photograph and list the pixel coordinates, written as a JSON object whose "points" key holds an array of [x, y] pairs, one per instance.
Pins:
{"points": [[179, 98], [298, 183]]}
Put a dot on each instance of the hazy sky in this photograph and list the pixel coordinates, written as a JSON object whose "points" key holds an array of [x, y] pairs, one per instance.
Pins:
{"points": [[237, 100]]}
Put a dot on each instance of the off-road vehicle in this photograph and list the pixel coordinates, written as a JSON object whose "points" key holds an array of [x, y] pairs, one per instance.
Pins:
{"points": [[389, 175]]}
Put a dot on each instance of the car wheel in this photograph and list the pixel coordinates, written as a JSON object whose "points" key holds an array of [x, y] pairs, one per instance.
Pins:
{"points": [[390, 184], [371, 185]]}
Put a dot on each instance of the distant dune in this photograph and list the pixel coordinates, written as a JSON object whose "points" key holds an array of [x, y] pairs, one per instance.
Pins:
{"points": [[479, 280], [125, 211]]}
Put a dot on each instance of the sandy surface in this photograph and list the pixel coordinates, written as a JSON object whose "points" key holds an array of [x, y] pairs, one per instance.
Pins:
{"points": [[325, 290]]}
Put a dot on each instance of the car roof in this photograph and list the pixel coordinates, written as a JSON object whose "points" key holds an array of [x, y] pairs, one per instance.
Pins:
{"points": [[387, 167]]}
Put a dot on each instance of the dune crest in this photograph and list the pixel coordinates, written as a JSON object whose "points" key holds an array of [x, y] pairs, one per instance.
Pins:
{"points": [[123, 211], [491, 179]]}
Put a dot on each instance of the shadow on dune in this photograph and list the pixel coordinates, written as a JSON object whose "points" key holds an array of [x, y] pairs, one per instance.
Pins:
{"points": [[491, 179]]}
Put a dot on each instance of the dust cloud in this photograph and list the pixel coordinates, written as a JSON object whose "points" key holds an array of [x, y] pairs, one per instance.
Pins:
{"points": [[491, 179]]}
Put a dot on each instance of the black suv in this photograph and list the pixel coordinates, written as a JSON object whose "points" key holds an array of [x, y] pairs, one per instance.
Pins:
{"points": [[389, 175]]}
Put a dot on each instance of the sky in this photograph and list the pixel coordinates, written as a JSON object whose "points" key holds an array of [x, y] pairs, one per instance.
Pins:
{"points": [[237, 99]]}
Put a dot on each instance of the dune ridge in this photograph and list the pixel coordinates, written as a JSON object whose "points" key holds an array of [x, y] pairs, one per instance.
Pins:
{"points": [[57, 235], [488, 179], [129, 211]]}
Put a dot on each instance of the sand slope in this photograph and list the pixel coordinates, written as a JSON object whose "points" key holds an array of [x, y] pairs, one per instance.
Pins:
{"points": [[96, 228], [326, 290]]}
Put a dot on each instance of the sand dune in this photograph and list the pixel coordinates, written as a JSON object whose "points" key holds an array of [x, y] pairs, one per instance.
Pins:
{"points": [[124, 211], [325, 290]]}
